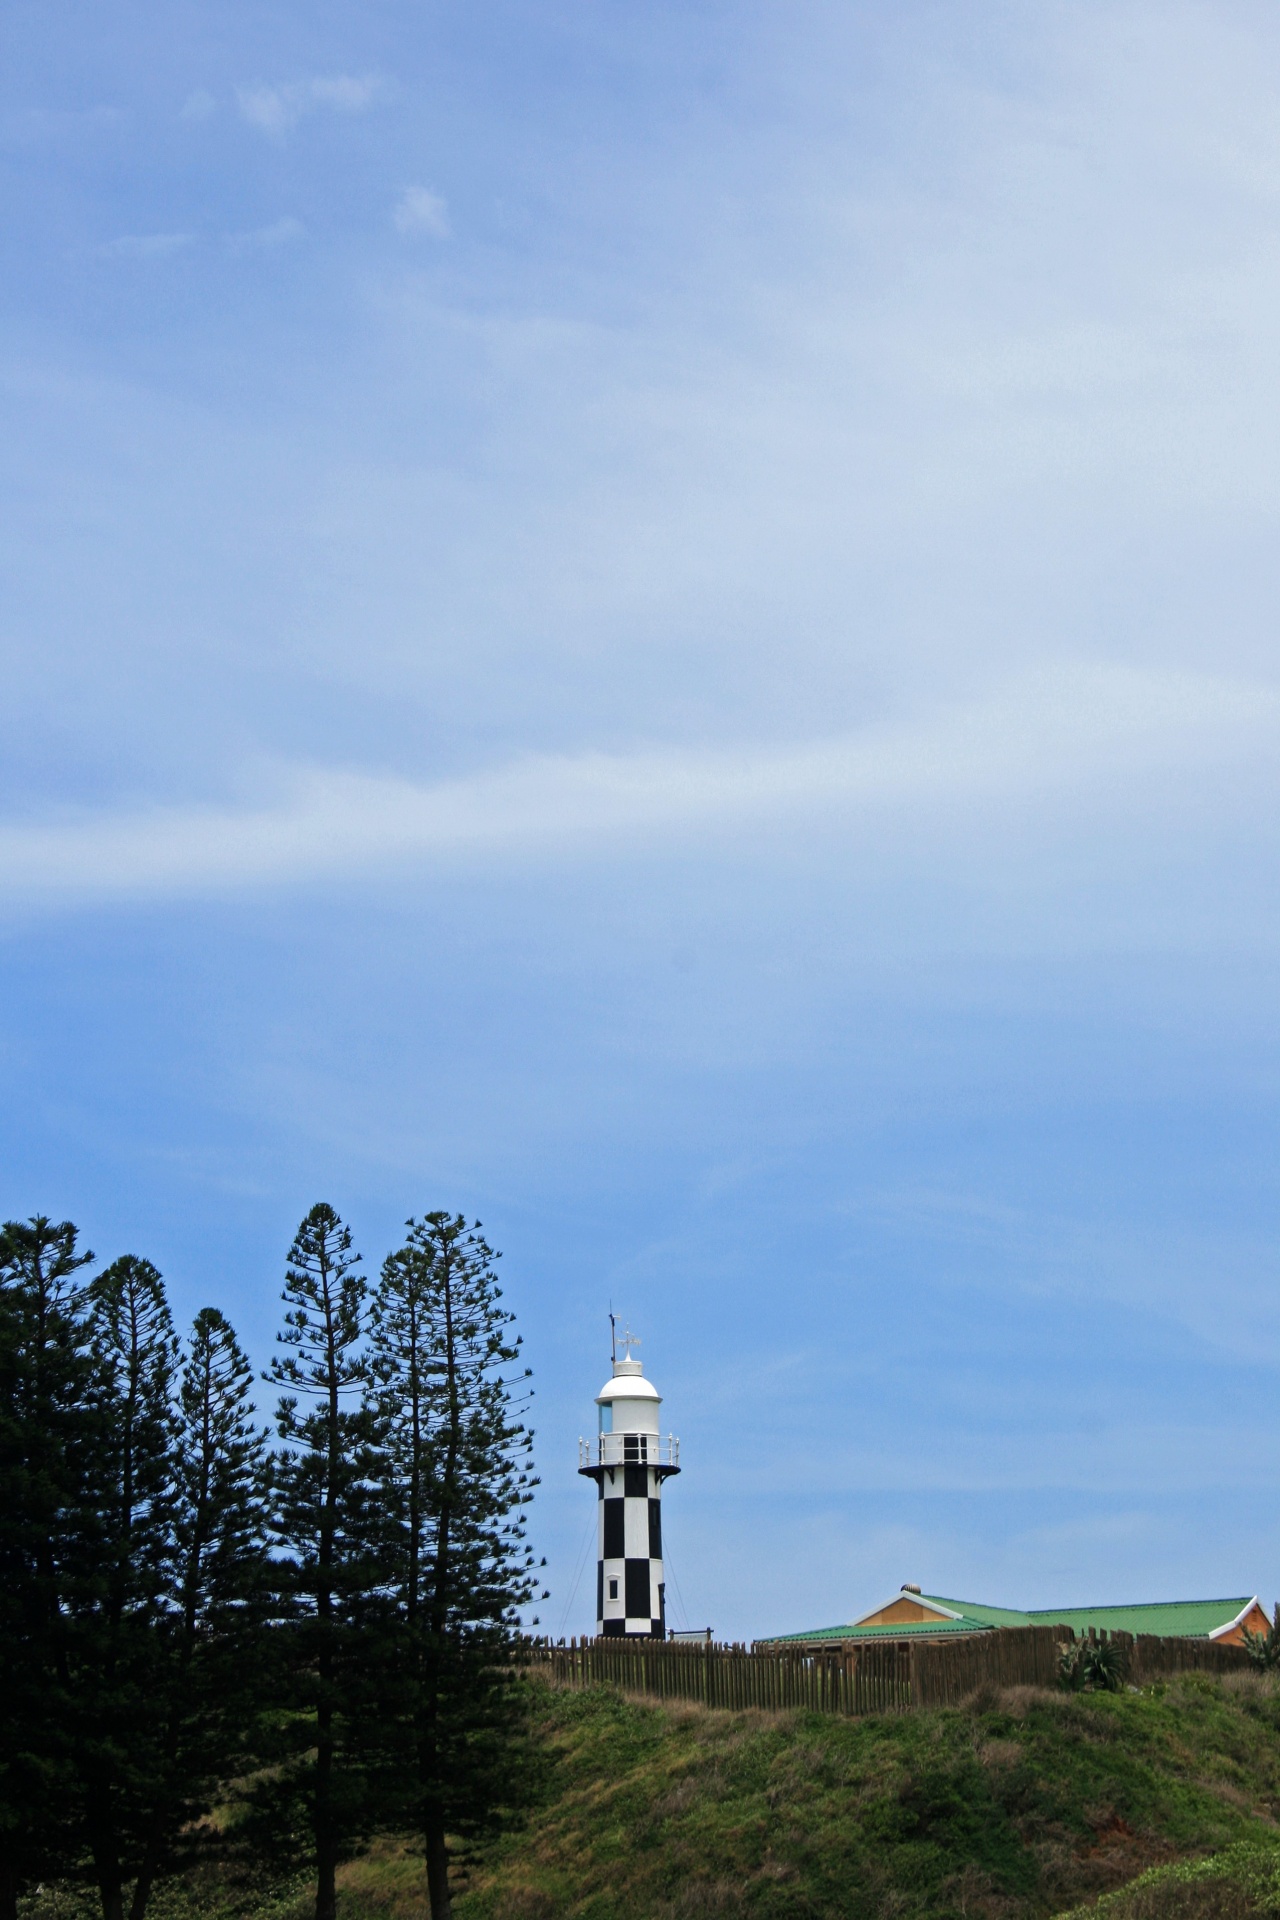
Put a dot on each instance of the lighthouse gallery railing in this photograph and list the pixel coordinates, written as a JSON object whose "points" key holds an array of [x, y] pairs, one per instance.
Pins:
{"points": [[630, 1449]]}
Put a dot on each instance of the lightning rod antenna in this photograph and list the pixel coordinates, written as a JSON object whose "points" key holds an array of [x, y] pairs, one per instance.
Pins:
{"points": [[613, 1338]]}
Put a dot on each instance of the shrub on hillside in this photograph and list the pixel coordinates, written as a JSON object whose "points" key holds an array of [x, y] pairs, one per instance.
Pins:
{"points": [[1093, 1666], [1241, 1884], [1263, 1649]]}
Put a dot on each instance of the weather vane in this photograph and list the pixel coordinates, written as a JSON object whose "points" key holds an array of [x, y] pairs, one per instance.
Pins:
{"points": [[628, 1341]]}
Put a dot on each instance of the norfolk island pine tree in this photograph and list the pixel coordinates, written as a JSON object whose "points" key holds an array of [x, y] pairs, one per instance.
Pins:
{"points": [[321, 1517], [454, 1480], [119, 1638], [47, 1527], [215, 1666], [129, 1565]]}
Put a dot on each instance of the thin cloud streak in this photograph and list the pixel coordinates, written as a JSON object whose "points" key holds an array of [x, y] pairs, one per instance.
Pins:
{"points": [[1155, 1458], [1068, 730], [267, 239], [276, 110]]}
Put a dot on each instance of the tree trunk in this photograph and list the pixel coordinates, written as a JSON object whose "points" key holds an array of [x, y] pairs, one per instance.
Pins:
{"points": [[326, 1851], [8, 1889], [326, 1847], [428, 1758], [106, 1867], [146, 1876], [437, 1868]]}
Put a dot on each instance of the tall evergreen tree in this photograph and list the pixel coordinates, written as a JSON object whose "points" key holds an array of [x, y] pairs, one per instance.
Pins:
{"points": [[214, 1633], [119, 1663], [47, 1514], [221, 1487], [322, 1475], [454, 1481]]}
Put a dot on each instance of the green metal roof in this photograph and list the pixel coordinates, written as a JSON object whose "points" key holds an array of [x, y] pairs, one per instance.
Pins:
{"points": [[902, 1630], [1181, 1619], [1174, 1619], [982, 1616]]}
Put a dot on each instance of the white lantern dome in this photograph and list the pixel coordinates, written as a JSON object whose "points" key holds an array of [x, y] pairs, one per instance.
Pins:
{"points": [[628, 1402]]}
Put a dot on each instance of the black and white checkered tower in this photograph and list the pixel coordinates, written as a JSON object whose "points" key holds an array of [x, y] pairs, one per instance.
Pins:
{"points": [[629, 1460]]}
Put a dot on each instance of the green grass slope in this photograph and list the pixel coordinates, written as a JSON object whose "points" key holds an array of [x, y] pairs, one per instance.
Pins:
{"points": [[1026, 1804], [1163, 1805], [1235, 1885]]}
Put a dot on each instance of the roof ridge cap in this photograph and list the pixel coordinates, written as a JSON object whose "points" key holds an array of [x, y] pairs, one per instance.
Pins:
{"points": [[1141, 1606]]}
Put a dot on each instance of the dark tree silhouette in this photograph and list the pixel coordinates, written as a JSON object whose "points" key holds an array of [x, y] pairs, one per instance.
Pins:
{"points": [[48, 1525], [454, 1481], [214, 1665], [321, 1481], [119, 1639]]}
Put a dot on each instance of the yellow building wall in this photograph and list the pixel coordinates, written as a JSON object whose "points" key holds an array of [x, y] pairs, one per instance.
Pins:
{"points": [[1255, 1621], [899, 1611]]}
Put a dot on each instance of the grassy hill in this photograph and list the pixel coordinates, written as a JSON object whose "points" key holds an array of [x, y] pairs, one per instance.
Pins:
{"points": [[1026, 1804]]}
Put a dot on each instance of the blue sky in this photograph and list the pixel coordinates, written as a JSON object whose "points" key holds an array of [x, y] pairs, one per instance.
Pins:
{"points": [[659, 624]]}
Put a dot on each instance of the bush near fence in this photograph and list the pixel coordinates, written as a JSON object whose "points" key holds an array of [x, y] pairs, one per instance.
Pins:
{"points": [[858, 1676]]}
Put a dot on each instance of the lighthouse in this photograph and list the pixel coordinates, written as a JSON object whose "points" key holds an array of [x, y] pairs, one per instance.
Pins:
{"points": [[629, 1460]]}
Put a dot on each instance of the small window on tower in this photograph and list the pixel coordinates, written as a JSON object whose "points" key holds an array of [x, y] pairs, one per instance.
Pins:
{"points": [[606, 1417], [613, 1589]]}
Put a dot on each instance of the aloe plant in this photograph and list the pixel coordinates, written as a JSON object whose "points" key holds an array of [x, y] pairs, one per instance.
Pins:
{"points": [[1093, 1666]]}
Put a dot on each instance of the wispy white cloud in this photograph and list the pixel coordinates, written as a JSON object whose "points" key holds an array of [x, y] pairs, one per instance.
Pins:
{"points": [[1069, 730], [419, 210], [145, 246], [267, 239], [1177, 1457], [349, 93], [274, 110]]}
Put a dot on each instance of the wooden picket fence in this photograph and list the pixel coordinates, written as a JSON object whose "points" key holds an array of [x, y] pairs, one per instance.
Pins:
{"points": [[852, 1676], [1152, 1657], [944, 1672], [733, 1676]]}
